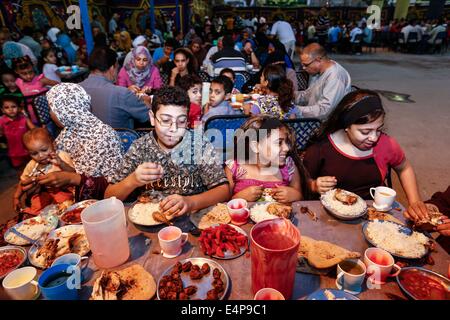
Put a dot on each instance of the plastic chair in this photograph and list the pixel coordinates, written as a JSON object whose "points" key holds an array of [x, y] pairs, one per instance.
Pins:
{"points": [[220, 132], [412, 41], [304, 129], [204, 76], [302, 80], [241, 78], [127, 137]]}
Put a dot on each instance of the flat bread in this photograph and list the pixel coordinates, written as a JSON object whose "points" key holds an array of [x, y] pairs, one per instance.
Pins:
{"points": [[323, 254], [130, 283], [218, 214]]}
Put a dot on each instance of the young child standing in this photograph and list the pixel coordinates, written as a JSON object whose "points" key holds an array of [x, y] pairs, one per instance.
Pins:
{"points": [[219, 93], [172, 161], [29, 83], [8, 87], [263, 160], [50, 68], [192, 84], [13, 125], [40, 147]]}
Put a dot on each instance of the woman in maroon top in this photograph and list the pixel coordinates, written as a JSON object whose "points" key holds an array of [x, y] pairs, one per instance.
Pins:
{"points": [[352, 153]]}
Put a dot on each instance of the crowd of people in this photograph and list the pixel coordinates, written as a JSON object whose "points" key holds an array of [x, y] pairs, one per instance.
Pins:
{"points": [[156, 80]]}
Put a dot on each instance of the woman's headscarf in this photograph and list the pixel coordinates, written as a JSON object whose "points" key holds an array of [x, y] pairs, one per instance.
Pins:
{"points": [[11, 50], [64, 41], [139, 77], [93, 146], [126, 44]]}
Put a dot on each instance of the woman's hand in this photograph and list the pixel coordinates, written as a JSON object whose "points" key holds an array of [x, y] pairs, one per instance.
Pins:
{"points": [[324, 184], [133, 88], [250, 194], [286, 194], [444, 228], [175, 206], [147, 173], [416, 212]]}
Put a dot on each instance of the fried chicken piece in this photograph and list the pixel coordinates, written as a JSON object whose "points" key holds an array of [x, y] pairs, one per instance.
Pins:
{"points": [[212, 295], [205, 269], [344, 197], [48, 251], [161, 217], [190, 290], [216, 273], [280, 210], [144, 198], [186, 267]]}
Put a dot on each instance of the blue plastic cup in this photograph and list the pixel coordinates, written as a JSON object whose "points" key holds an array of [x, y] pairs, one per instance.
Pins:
{"points": [[60, 282]]}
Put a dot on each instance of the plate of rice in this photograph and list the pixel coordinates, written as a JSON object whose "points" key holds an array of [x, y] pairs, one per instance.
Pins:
{"points": [[259, 212], [343, 211], [398, 240], [142, 213]]}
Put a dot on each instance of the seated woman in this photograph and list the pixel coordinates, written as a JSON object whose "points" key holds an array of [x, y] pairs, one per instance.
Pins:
{"points": [[352, 152], [140, 74], [184, 64], [278, 98]]}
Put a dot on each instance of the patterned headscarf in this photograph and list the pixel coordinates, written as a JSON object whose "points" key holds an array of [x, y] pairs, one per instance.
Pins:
{"points": [[93, 146], [139, 77]]}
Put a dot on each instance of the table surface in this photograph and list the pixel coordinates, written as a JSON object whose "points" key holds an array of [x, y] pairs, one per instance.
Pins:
{"points": [[347, 234]]}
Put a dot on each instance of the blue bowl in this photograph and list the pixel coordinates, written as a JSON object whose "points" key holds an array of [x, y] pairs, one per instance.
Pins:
{"points": [[59, 283]]}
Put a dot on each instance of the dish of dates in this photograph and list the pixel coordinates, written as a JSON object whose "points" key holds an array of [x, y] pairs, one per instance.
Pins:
{"points": [[193, 279]]}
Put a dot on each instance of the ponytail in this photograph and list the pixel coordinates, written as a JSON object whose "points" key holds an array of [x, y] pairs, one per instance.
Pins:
{"points": [[286, 95]]}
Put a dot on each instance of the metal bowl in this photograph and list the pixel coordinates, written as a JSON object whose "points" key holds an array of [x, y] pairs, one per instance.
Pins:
{"points": [[81, 204], [434, 275], [14, 248]]}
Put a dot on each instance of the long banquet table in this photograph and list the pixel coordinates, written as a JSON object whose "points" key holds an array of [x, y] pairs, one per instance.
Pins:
{"points": [[347, 234]]}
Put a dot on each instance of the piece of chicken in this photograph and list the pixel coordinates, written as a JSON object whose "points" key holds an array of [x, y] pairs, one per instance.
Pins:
{"points": [[161, 217], [344, 197]]}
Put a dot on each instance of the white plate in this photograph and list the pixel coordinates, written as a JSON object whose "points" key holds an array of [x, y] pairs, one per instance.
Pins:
{"points": [[257, 217], [228, 254], [334, 212], [50, 224], [63, 232], [136, 217]]}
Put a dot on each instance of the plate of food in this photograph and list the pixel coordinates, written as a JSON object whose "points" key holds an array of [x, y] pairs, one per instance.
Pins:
{"points": [[211, 216], [67, 239], [423, 284], [129, 283], [147, 214], [193, 279], [224, 241], [373, 214], [270, 210], [72, 215], [344, 205], [267, 195], [331, 294], [34, 228], [398, 240], [11, 258]]}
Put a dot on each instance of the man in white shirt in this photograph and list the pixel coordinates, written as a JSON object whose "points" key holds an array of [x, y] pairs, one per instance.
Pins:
{"points": [[355, 31], [437, 29], [285, 34], [407, 29], [329, 82]]}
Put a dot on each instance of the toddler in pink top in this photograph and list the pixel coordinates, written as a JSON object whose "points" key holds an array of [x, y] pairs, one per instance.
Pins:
{"points": [[264, 163], [30, 84], [13, 125]]}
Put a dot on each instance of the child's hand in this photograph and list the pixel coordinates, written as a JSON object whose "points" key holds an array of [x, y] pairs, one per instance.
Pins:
{"points": [[250, 194], [324, 184], [286, 194], [147, 172], [133, 88], [175, 206]]}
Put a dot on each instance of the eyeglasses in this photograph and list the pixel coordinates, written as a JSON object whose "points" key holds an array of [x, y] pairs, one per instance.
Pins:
{"points": [[305, 65], [167, 123]]}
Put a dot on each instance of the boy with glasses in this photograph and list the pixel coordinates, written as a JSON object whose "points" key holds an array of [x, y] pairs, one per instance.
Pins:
{"points": [[172, 161]]}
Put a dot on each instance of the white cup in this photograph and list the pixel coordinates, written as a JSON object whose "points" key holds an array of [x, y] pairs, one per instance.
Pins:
{"points": [[20, 284], [349, 280], [171, 240], [379, 265], [383, 197]]}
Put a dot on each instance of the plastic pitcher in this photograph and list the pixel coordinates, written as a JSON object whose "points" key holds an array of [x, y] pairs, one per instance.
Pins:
{"points": [[105, 225], [274, 246]]}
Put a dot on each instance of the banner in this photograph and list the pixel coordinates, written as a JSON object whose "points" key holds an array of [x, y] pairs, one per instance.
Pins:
{"points": [[401, 9]]}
